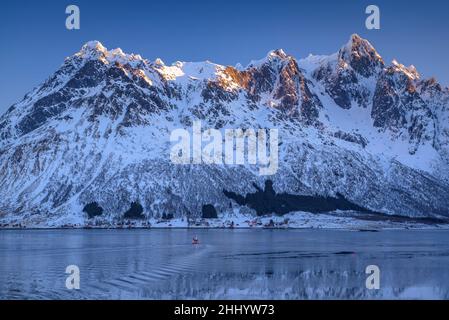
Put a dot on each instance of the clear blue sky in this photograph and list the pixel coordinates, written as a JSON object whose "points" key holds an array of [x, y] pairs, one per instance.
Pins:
{"points": [[34, 40]]}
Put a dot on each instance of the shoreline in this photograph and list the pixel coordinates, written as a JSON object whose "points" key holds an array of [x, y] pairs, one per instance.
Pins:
{"points": [[408, 228], [298, 220]]}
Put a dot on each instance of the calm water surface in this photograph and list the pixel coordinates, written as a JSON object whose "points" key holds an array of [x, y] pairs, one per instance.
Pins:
{"points": [[227, 264]]}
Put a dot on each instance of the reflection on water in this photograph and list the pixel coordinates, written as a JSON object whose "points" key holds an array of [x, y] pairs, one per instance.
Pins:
{"points": [[227, 264]]}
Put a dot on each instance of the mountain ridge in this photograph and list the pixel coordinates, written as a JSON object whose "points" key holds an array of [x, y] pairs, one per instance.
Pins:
{"points": [[97, 131]]}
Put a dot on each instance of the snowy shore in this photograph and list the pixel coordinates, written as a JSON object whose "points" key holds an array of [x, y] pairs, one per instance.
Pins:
{"points": [[296, 220]]}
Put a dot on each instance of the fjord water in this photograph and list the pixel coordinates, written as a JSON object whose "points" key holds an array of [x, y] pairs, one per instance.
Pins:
{"points": [[227, 264]]}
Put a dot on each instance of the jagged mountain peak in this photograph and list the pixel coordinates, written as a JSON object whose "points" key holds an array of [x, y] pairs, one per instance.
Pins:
{"points": [[94, 45], [358, 47], [360, 54], [277, 53], [92, 49], [272, 57], [410, 71], [95, 50]]}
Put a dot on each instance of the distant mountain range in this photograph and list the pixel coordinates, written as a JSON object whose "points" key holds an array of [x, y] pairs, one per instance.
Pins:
{"points": [[96, 134]]}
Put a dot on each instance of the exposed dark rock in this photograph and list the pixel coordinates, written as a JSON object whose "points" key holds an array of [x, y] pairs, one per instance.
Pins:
{"points": [[351, 137], [362, 56], [387, 110]]}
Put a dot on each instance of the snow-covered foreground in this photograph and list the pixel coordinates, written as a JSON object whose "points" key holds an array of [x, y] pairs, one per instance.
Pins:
{"points": [[227, 264], [304, 220], [343, 220]]}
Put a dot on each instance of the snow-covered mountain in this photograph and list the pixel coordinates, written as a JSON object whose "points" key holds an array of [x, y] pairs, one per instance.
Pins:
{"points": [[97, 131]]}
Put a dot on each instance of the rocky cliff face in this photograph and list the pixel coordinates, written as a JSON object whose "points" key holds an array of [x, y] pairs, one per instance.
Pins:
{"points": [[98, 131]]}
